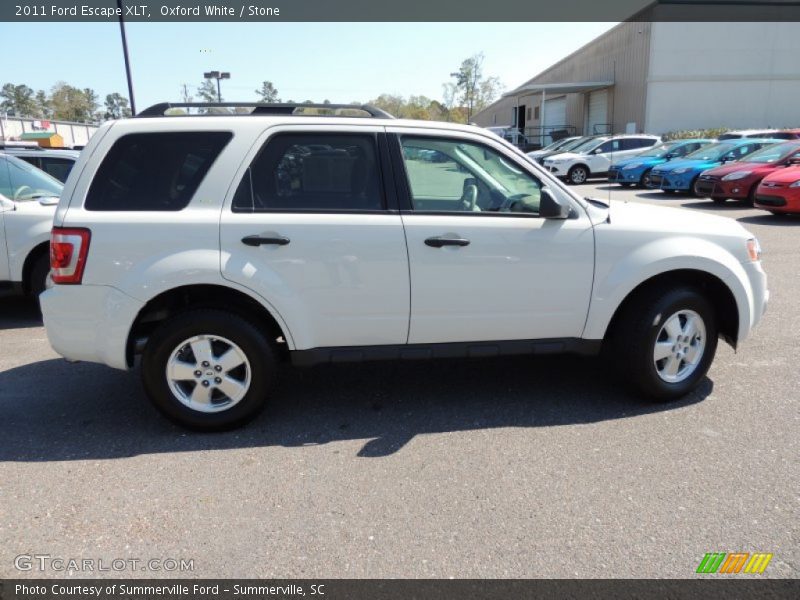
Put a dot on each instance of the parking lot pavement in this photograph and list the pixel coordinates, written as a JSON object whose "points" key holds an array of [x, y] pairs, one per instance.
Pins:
{"points": [[512, 467]]}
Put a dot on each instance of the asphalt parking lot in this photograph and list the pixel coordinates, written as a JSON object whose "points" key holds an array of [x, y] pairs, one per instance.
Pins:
{"points": [[511, 467]]}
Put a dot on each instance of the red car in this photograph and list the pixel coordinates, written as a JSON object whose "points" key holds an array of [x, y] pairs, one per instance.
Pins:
{"points": [[739, 180], [780, 192]]}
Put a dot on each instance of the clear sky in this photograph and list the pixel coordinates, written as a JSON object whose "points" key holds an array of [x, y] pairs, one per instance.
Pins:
{"points": [[342, 62]]}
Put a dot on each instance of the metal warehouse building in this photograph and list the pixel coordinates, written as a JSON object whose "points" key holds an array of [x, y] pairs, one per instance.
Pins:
{"points": [[657, 77]]}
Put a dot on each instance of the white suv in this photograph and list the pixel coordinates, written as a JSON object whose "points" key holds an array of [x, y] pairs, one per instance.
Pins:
{"points": [[595, 158], [217, 247]]}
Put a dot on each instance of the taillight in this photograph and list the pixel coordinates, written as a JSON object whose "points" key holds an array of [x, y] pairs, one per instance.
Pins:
{"points": [[68, 250]]}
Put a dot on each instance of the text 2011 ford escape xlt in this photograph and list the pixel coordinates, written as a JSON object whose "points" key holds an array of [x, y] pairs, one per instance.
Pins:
{"points": [[219, 246]]}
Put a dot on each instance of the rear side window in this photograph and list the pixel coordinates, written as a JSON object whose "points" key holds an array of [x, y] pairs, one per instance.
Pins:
{"points": [[154, 171], [57, 167], [313, 172]]}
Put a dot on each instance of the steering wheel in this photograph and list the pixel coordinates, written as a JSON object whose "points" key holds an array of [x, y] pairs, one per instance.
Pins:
{"points": [[20, 189]]}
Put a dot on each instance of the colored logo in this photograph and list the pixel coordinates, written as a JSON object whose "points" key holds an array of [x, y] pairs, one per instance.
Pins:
{"points": [[734, 562]]}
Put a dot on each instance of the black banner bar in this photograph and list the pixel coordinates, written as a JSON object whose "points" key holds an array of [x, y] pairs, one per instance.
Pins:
{"points": [[732, 587], [407, 10]]}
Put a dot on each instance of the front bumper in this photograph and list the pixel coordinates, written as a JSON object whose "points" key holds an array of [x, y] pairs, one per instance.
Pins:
{"points": [[624, 175], [738, 189], [760, 298], [669, 181], [89, 322], [559, 170], [778, 201]]}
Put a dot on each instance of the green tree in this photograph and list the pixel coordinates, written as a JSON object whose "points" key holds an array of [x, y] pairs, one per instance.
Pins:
{"points": [[116, 106], [268, 93], [19, 99], [72, 104], [472, 90], [43, 108], [207, 91]]}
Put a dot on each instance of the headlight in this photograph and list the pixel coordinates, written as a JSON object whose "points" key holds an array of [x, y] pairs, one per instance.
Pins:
{"points": [[753, 249], [795, 184], [682, 170], [631, 166], [736, 175]]}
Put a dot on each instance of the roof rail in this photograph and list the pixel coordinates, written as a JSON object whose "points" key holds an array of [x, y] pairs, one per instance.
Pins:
{"points": [[262, 108]]}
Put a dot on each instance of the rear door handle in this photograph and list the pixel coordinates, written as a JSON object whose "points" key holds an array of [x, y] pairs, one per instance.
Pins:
{"points": [[257, 240], [438, 242]]}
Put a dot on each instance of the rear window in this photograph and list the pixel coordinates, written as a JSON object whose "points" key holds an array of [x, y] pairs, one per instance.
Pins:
{"points": [[154, 171]]}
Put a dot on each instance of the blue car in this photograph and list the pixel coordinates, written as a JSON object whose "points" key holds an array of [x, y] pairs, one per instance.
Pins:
{"points": [[682, 175], [636, 169]]}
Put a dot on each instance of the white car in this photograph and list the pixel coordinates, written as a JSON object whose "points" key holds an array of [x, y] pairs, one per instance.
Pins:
{"points": [[28, 199], [55, 162], [594, 160], [555, 146], [218, 247]]}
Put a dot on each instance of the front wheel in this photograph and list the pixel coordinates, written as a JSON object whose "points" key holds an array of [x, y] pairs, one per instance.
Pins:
{"points": [[208, 369], [664, 342], [578, 175]]}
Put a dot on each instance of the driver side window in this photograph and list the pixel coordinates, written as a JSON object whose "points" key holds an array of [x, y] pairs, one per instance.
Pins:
{"points": [[447, 175]]}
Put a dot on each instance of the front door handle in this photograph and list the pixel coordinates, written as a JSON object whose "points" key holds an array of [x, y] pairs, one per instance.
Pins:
{"points": [[257, 240], [438, 242]]}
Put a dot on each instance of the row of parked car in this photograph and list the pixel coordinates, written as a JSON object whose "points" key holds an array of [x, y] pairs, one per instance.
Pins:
{"points": [[760, 167]]}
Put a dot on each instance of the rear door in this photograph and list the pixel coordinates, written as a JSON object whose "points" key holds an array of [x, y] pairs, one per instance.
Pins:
{"points": [[5, 205], [313, 229]]}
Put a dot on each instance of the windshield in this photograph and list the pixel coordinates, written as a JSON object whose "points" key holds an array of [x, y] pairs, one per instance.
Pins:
{"points": [[659, 151], [560, 144], [588, 145], [772, 154], [712, 152], [22, 181]]}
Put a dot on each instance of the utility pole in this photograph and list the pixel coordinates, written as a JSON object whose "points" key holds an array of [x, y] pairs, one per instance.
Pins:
{"points": [[127, 60]]}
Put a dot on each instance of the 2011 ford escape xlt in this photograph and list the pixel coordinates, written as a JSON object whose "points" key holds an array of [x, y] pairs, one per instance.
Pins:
{"points": [[218, 246]]}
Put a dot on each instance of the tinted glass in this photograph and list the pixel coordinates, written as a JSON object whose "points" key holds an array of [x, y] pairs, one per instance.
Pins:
{"points": [[710, 152], [57, 167], [308, 172], [455, 176], [773, 153], [154, 171]]}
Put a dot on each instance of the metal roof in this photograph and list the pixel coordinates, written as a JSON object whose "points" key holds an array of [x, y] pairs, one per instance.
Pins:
{"points": [[561, 88]]}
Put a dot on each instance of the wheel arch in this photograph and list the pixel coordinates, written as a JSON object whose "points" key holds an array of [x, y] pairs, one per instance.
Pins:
{"points": [[176, 300], [720, 295]]}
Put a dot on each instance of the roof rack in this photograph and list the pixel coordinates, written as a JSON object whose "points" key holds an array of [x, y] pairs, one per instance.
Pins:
{"points": [[262, 108]]}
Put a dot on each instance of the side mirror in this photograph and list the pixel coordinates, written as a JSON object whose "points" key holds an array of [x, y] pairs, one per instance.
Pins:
{"points": [[727, 159], [550, 208], [670, 156]]}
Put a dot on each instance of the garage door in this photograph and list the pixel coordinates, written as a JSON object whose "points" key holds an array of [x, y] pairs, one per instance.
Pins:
{"points": [[555, 113], [597, 114]]}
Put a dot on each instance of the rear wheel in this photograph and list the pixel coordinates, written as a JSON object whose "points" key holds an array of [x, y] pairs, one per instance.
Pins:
{"points": [[664, 341], [208, 369], [38, 277], [578, 175]]}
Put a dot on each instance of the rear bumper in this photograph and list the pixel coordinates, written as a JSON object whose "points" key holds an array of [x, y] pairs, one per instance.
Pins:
{"points": [[89, 322]]}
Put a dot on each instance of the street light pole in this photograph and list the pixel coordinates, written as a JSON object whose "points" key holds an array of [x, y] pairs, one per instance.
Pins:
{"points": [[217, 75], [127, 60]]}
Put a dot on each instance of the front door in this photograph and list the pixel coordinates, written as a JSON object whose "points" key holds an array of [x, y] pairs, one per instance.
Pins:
{"points": [[483, 265], [310, 230]]}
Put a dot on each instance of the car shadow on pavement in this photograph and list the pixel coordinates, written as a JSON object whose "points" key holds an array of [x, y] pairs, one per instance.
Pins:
{"points": [[19, 313], [770, 219], [55, 411]]}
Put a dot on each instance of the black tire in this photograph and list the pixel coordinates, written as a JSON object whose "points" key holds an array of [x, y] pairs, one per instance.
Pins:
{"points": [[778, 213], [751, 195], [693, 187], [249, 338], [719, 200], [632, 341], [644, 180], [669, 192], [577, 175], [38, 278]]}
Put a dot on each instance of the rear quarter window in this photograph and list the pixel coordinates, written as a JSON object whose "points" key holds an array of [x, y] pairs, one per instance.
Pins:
{"points": [[154, 171]]}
